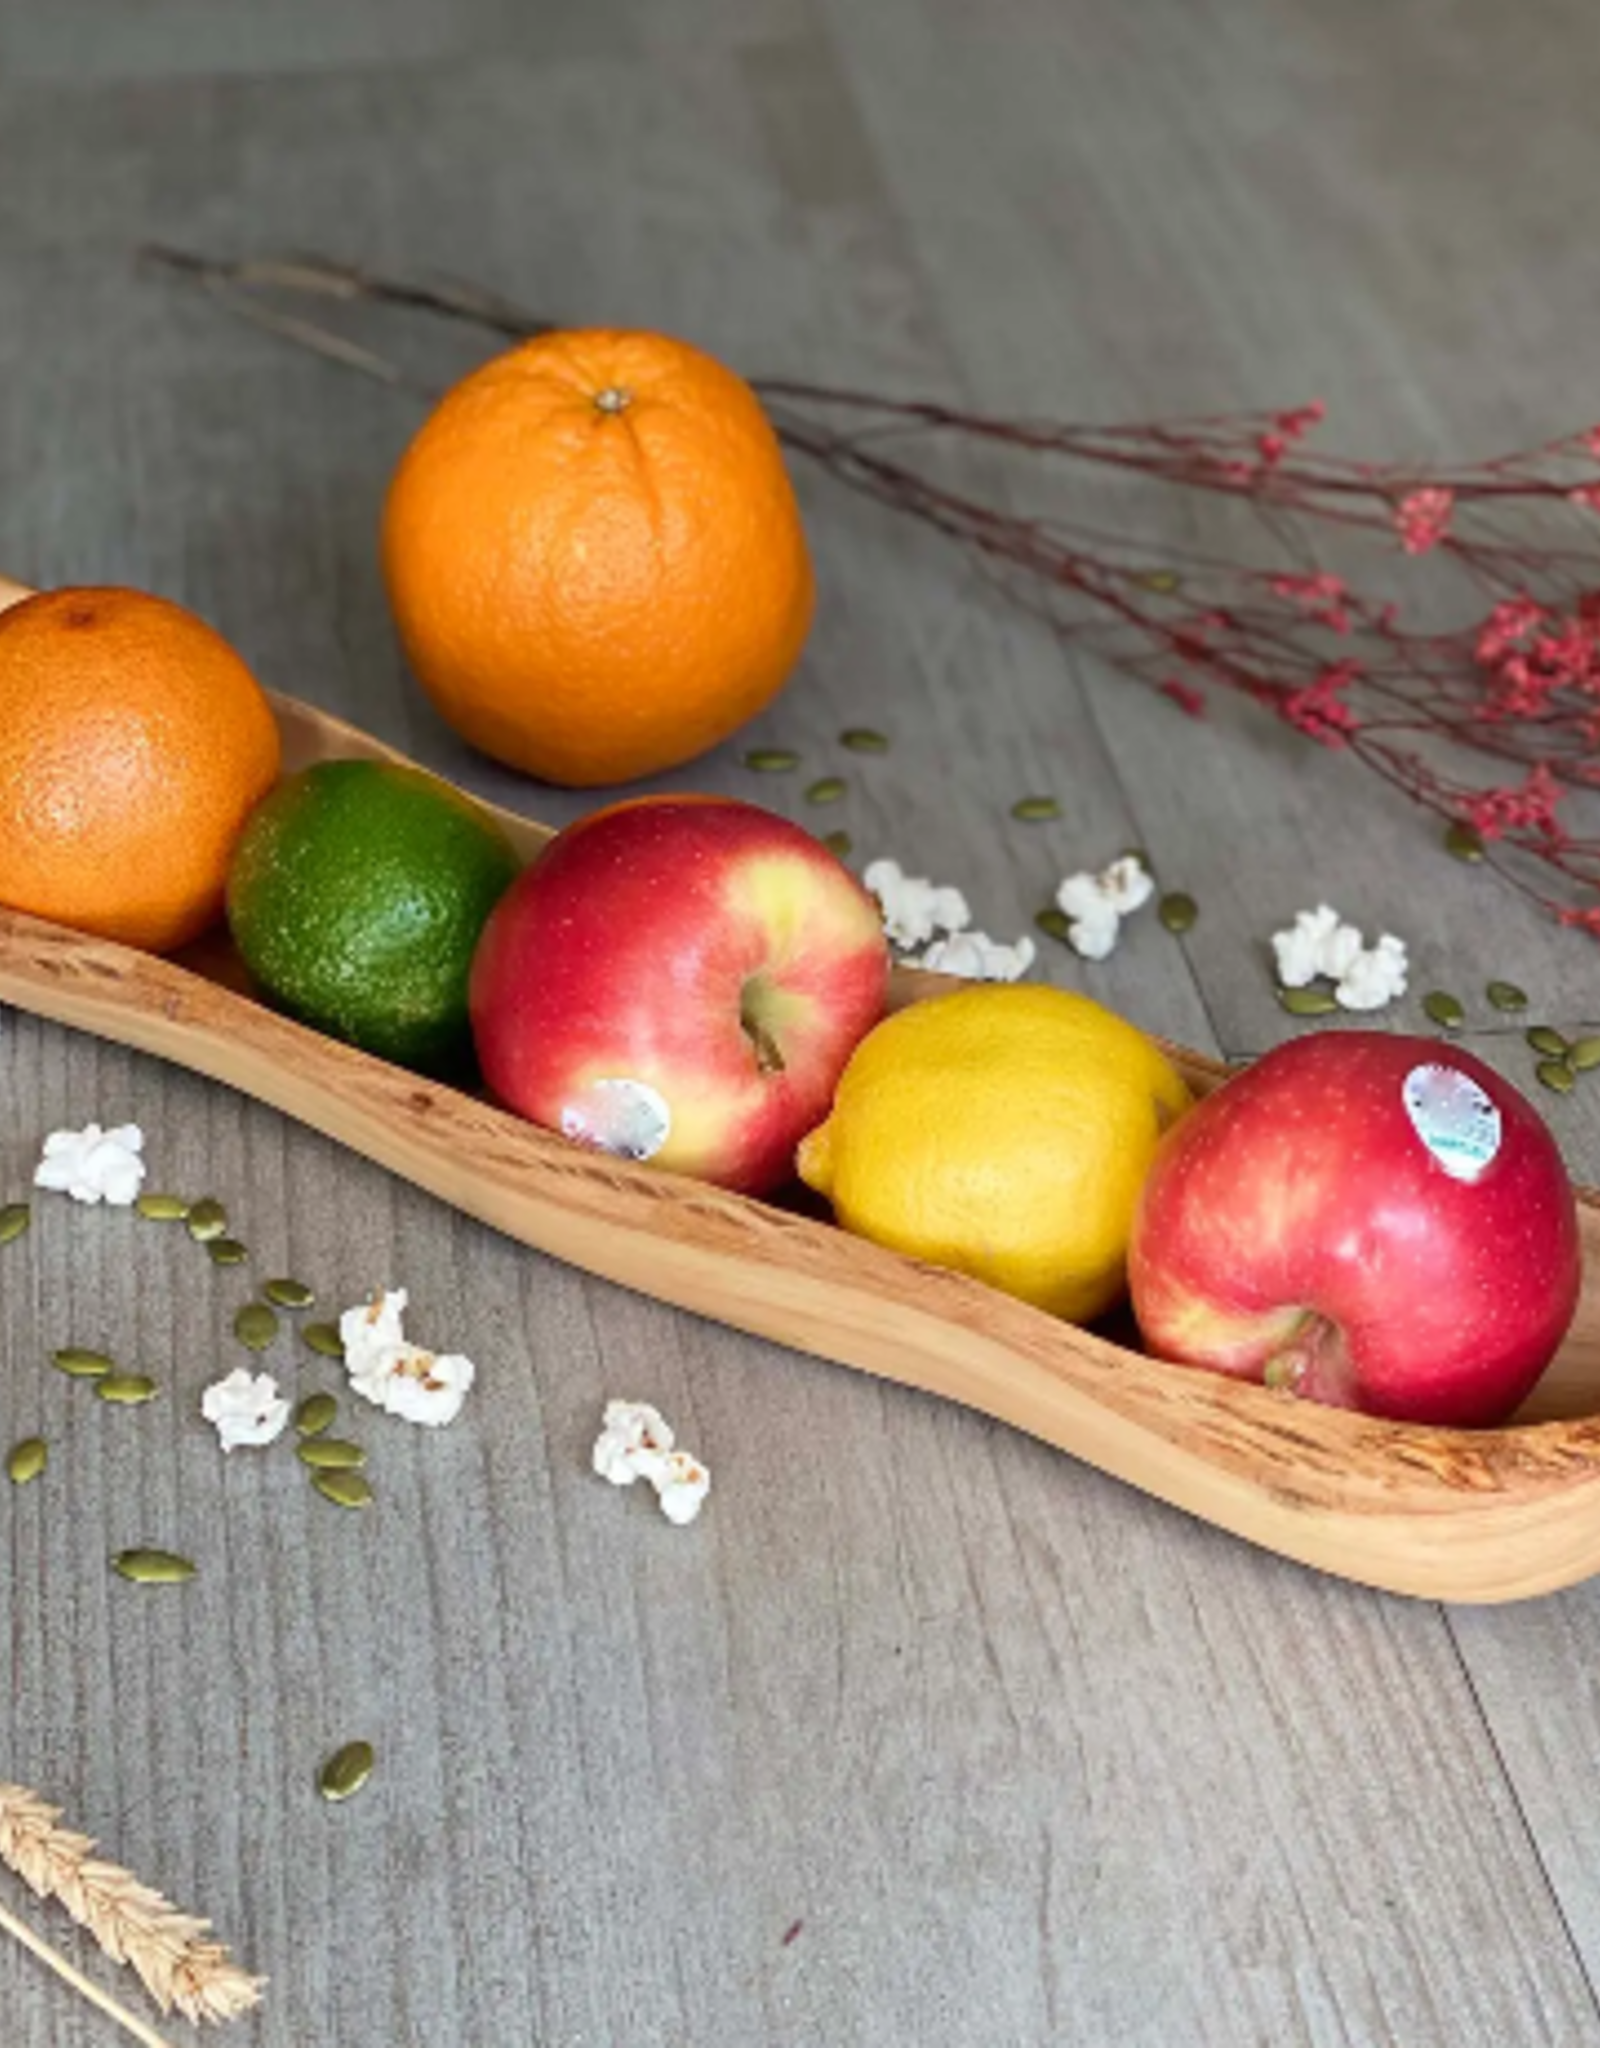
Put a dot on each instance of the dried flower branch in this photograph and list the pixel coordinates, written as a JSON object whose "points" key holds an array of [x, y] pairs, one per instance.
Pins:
{"points": [[1439, 713], [179, 1966]]}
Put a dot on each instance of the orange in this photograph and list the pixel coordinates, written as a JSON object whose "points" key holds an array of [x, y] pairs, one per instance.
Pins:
{"points": [[133, 744], [595, 556]]}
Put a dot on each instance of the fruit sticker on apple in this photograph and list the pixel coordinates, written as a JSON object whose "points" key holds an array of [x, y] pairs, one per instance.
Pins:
{"points": [[680, 979], [1373, 1221]]}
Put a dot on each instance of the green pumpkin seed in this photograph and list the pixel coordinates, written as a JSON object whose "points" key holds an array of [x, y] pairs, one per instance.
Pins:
{"points": [[771, 760], [82, 1365], [330, 1454], [1546, 1039], [148, 1567], [1584, 1054], [226, 1251], [828, 791], [27, 1460], [861, 739], [255, 1325], [1178, 911], [324, 1339], [1463, 843], [1556, 1074], [207, 1219], [126, 1389], [289, 1294], [1444, 1009], [1505, 995], [315, 1413], [1033, 810], [14, 1220], [839, 844], [163, 1208], [1307, 1002], [346, 1771], [344, 1489], [1053, 922]]}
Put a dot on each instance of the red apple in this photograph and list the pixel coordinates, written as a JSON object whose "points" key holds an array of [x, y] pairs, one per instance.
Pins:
{"points": [[681, 979], [1375, 1221]]}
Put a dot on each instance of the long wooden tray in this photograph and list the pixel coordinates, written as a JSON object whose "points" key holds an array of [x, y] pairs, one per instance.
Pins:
{"points": [[1474, 1516]]}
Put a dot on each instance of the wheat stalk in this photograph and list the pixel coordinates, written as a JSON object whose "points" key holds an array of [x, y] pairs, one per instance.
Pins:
{"points": [[178, 1964]]}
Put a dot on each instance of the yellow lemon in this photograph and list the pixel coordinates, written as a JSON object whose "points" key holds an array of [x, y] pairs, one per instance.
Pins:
{"points": [[1003, 1130]]}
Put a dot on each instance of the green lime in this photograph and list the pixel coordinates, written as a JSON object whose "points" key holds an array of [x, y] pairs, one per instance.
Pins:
{"points": [[356, 897]]}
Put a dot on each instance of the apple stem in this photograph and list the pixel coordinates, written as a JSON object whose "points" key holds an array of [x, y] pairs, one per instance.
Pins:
{"points": [[753, 1001], [768, 1058]]}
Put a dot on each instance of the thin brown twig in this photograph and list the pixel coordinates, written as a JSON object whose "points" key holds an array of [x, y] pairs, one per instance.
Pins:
{"points": [[320, 340]]}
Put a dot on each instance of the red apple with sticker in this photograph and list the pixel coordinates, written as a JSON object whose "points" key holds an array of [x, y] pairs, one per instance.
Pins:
{"points": [[1372, 1221], [680, 979]]}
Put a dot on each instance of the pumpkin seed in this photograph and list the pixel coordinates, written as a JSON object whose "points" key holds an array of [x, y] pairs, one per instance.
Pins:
{"points": [[1053, 922], [1033, 810], [1464, 843], [82, 1365], [226, 1251], [1546, 1039], [839, 843], [1444, 1009], [771, 760], [289, 1294], [330, 1454], [344, 1489], [346, 1771], [14, 1220], [1307, 1002], [1556, 1074], [256, 1325], [207, 1219], [1505, 995], [1584, 1054], [315, 1413], [324, 1339], [163, 1208], [861, 739], [27, 1460], [828, 791], [148, 1567], [126, 1389], [1178, 911]]}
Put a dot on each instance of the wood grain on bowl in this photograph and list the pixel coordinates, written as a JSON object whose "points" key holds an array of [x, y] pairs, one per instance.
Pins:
{"points": [[1474, 1516]]}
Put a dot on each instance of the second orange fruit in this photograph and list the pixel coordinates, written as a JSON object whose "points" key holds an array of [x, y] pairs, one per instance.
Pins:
{"points": [[595, 557], [134, 743]]}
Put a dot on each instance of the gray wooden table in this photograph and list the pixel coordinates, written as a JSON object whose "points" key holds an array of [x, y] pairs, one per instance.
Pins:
{"points": [[924, 1734]]}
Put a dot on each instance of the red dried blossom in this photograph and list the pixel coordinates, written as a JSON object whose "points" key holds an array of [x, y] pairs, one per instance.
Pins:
{"points": [[1319, 708], [1185, 696], [1507, 627], [1531, 806], [1321, 597], [1422, 519]]}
